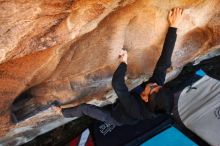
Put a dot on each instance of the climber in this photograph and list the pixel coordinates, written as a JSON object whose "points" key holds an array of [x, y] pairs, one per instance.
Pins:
{"points": [[146, 100]]}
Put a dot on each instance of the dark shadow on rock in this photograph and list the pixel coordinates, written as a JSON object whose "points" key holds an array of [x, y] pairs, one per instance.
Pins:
{"points": [[25, 106]]}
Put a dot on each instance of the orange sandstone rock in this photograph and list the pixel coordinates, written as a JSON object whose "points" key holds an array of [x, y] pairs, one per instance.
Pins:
{"points": [[67, 50]]}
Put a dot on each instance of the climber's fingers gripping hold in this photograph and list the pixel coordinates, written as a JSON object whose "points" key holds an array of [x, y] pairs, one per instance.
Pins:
{"points": [[175, 16]]}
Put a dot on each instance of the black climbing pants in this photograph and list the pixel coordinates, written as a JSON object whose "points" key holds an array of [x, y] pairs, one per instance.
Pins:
{"points": [[92, 111]]}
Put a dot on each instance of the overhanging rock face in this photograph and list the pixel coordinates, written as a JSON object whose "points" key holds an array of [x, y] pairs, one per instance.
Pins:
{"points": [[67, 50]]}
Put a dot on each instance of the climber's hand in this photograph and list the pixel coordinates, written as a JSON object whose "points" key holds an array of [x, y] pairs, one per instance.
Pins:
{"points": [[123, 56], [175, 16], [57, 110]]}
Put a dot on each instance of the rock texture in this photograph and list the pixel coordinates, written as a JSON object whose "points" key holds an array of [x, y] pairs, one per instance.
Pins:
{"points": [[67, 50]]}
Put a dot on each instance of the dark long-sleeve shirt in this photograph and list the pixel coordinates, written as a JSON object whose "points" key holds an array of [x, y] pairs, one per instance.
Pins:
{"points": [[129, 106], [164, 61]]}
